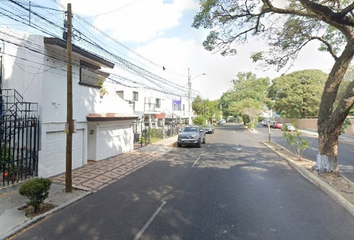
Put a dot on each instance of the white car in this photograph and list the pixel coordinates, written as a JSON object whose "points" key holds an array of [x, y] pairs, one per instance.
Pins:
{"points": [[288, 127]]}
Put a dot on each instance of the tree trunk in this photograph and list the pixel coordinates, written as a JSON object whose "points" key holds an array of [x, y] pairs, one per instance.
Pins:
{"points": [[327, 153], [331, 117]]}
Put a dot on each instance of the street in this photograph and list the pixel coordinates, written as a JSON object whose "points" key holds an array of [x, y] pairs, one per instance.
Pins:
{"points": [[345, 148], [233, 187]]}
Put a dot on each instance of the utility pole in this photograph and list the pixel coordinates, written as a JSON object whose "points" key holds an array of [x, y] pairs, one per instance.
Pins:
{"points": [[69, 105], [189, 97]]}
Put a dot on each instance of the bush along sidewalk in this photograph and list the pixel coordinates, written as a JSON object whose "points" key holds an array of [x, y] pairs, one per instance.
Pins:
{"points": [[296, 142], [36, 190]]}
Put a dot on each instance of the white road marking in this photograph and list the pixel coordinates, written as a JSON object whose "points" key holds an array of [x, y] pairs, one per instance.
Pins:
{"points": [[196, 161], [140, 233], [209, 144]]}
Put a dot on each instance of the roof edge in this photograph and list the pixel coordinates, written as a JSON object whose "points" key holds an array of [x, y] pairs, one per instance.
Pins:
{"points": [[63, 44], [96, 117]]}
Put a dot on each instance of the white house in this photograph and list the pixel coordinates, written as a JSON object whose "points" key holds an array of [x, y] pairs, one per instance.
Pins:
{"points": [[155, 109], [36, 67]]}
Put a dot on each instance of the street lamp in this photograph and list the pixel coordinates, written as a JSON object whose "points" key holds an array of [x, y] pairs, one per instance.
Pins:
{"points": [[189, 93]]}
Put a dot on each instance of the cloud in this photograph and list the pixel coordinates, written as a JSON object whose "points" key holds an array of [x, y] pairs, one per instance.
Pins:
{"points": [[160, 31], [133, 20], [177, 55]]}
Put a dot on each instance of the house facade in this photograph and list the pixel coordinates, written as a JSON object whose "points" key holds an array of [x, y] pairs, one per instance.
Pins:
{"points": [[155, 109], [36, 68]]}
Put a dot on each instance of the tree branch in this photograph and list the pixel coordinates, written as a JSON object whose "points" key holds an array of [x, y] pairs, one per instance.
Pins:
{"points": [[329, 46]]}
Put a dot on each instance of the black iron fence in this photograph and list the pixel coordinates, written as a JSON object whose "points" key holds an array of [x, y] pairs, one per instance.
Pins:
{"points": [[19, 134], [144, 135]]}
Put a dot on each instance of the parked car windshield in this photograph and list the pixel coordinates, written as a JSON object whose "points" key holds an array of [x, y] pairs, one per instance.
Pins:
{"points": [[190, 129]]}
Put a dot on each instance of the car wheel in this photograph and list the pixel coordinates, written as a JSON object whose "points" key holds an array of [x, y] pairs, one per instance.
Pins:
{"points": [[179, 145], [203, 141]]}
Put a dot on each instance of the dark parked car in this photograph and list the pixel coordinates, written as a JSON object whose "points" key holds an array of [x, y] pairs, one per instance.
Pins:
{"points": [[209, 128], [191, 135]]}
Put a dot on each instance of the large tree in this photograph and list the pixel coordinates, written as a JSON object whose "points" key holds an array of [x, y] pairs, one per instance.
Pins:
{"points": [[298, 94], [247, 97], [206, 108], [287, 26]]}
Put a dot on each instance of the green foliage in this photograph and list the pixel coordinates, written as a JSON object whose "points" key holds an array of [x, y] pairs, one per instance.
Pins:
{"points": [[247, 98], [156, 133], [151, 135], [345, 125], [296, 142], [245, 119], [36, 190], [231, 23], [200, 120], [298, 94], [5, 158], [206, 108], [198, 105]]}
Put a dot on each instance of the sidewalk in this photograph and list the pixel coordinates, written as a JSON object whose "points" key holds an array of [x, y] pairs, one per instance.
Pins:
{"points": [[86, 180], [346, 138], [97, 175]]}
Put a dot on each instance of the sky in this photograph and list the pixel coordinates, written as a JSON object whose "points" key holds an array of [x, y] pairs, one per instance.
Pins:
{"points": [[157, 34]]}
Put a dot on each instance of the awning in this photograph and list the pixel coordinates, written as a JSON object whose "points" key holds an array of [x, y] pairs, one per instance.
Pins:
{"points": [[160, 116], [174, 115], [96, 117]]}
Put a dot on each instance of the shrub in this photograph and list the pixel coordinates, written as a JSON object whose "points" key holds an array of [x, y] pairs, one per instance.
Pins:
{"points": [[156, 133], [200, 120], [297, 143], [5, 158], [36, 190]]}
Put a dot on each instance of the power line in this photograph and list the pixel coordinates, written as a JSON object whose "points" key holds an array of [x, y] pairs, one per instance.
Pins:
{"points": [[101, 14], [154, 79], [33, 47]]}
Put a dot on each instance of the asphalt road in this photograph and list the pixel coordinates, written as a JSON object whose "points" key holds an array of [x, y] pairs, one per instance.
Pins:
{"points": [[345, 149], [231, 188]]}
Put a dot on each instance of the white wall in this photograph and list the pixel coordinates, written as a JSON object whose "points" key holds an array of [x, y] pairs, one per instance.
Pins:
{"points": [[166, 104], [42, 78], [109, 139], [47, 165], [85, 99], [21, 67]]}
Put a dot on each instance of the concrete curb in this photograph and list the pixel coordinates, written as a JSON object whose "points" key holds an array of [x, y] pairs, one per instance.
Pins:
{"points": [[317, 181], [29, 222]]}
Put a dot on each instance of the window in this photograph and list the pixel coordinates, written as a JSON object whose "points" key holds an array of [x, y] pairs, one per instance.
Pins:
{"points": [[132, 104], [120, 94], [91, 76], [158, 103], [135, 96], [176, 107]]}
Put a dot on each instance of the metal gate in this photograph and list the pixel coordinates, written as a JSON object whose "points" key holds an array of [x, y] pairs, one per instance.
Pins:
{"points": [[19, 134]]}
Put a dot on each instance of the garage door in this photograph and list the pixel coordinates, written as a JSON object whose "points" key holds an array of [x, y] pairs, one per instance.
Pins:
{"points": [[114, 140], [56, 151]]}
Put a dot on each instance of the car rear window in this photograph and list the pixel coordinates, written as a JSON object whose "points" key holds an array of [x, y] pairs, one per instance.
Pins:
{"points": [[190, 129]]}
